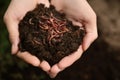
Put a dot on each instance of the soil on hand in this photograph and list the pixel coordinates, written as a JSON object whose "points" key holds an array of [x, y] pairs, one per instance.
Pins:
{"points": [[47, 34]]}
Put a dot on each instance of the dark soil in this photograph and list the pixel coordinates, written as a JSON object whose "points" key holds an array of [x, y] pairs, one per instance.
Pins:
{"points": [[100, 62], [47, 34]]}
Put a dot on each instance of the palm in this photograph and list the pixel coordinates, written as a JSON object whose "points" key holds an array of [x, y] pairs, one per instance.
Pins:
{"points": [[81, 14], [78, 11], [15, 12]]}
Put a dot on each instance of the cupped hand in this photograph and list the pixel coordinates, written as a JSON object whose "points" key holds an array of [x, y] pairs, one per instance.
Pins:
{"points": [[81, 14], [15, 12], [78, 11]]}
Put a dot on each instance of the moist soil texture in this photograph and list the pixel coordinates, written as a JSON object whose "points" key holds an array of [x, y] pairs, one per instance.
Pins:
{"points": [[48, 35]]}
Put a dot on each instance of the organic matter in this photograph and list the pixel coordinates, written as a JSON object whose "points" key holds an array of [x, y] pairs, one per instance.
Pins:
{"points": [[47, 34]]}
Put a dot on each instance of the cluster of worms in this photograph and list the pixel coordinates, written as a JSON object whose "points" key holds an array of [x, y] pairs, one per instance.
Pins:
{"points": [[55, 27], [48, 34]]}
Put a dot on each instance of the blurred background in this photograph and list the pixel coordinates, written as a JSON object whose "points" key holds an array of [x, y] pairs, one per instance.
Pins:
{"points": [[100, 62]]}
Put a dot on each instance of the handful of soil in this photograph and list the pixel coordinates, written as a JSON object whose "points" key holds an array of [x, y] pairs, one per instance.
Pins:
{"points": [[48, 35]]}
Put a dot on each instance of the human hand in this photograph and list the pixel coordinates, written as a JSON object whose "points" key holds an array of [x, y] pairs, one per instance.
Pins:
{"points": [[81, 14], [15, 12]]}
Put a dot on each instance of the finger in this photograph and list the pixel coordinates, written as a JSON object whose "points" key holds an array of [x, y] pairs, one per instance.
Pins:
{"points": [[54, 71], [65, 62], [45, 66], [88, 39], [91, 34], [69, 60], [12, 27], [27, 57]]}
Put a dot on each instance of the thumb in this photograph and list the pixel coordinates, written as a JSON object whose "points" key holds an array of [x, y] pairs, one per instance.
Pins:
{"points": [[12, 26]]}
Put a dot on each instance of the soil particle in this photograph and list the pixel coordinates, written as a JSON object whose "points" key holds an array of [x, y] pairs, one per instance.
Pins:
{"points": [[47, 34]]}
